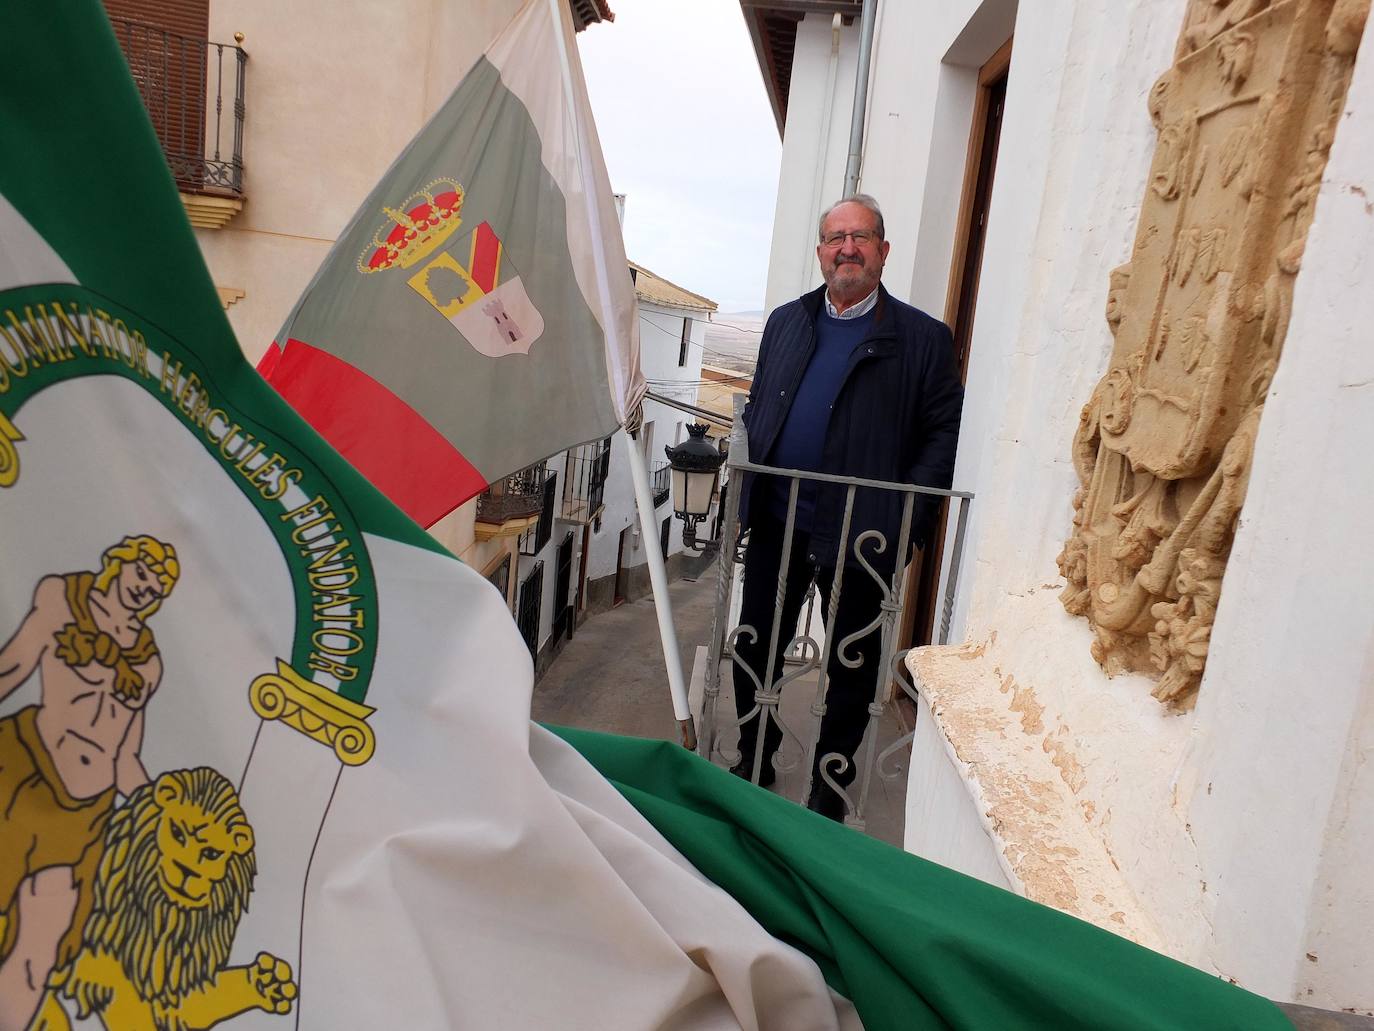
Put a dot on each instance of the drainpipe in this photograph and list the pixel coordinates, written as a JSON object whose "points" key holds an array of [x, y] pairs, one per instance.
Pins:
{"points": [[856, 125], [822, 147]]}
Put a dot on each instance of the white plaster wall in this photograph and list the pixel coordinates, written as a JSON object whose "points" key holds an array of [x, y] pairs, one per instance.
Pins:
{"points": [[922, 76], [926, 65], [1281, 792], [814, 145], [956, 89], [332, 95], [1075, 148], [618, 512], [660, 340]]}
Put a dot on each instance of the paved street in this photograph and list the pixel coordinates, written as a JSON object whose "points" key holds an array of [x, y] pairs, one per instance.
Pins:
{"points": [[611, 677]]}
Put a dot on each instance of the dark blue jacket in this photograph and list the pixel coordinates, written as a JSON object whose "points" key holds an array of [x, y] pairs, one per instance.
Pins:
{"points": [[896, 417]]}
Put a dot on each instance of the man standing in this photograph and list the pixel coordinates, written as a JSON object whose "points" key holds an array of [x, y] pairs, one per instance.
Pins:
{"points": [[849, 381]]}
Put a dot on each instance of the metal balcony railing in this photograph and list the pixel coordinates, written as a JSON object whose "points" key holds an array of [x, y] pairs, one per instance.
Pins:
{"points": [[584, 482], [518, 496], [662, 482], [194, 92], [532, 541], [783, 658]]}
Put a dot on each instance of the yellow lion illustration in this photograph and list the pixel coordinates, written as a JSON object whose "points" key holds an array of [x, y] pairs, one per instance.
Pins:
{"points": [[174, 880]]}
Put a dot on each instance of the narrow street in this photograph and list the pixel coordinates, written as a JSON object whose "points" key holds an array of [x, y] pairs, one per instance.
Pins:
{"points": [[611, 675]]}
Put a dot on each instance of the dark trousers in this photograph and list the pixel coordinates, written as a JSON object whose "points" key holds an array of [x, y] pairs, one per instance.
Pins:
{"points": [[848, 691]]}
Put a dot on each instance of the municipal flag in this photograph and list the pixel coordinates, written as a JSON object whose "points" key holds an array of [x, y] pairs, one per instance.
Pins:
{"points": [[476, 315], [265, 756]]}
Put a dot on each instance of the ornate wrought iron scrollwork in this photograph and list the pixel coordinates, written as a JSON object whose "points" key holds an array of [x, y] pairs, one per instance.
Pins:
{"points": [[858, 635], [902, 675], [733, 756], [808, 652], [840, 764]]}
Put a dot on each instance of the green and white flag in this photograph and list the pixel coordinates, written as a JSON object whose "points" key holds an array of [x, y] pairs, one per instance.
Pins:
{"points": [[265, 755]]}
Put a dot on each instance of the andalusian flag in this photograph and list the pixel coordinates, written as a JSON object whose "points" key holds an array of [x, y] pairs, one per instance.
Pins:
{"points": [[265, 756], [477, 314]]}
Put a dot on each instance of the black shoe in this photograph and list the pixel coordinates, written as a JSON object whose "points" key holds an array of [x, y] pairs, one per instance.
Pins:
{"points": [[826, 802], [744, 769]]}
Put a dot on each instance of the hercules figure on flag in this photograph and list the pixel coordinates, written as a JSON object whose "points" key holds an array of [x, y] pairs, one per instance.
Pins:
{"points": [[64, 760]]}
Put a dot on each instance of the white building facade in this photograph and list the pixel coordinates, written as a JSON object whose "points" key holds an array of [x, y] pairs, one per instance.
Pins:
{"points": [[672, 335], [1226, 825]]}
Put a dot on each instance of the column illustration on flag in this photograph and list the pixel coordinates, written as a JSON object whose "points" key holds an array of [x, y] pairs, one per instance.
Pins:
{"points": [[483, 278]]}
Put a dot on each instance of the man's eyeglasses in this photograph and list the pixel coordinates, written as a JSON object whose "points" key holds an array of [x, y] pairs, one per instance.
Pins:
{"points": [[859, 236]]}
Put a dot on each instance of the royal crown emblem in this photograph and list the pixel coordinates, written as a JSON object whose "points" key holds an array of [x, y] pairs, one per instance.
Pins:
{"points": [[419, 226]]}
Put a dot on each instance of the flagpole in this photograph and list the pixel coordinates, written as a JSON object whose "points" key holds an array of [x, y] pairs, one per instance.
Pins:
{"points": [[658, 579], [658, 572]]}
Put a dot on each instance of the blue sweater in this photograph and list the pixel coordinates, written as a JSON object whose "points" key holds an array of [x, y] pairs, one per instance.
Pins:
{"points": [[802, 438]]}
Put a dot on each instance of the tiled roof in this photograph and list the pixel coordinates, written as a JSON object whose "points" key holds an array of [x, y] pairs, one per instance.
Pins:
{"points": [[657, 290]]}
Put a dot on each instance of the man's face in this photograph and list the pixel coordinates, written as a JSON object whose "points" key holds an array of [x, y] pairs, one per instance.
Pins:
{"points": [[851, 269], [138, 587]]}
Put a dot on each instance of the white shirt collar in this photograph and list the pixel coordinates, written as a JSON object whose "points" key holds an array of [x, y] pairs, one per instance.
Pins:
{"points": [[855, 311]]}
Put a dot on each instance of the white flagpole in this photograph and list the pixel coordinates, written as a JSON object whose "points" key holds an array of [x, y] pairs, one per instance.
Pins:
{"points": [[658, 579], [658, 573]]}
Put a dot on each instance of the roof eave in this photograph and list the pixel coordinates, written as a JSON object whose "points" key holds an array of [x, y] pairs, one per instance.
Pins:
{"points": [[589, 12], [708, 307], [763, 57], [773, 28]]}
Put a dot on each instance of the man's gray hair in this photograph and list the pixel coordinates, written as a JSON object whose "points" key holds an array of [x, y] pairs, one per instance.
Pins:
{"points": [[864, 201]]}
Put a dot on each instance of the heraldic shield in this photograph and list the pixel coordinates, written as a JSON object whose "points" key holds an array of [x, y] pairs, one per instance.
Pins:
{"points": [[485, 301]]}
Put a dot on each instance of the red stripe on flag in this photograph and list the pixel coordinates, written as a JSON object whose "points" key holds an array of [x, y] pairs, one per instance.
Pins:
{"points": [[385, 439], [267, 365], [486, 256]]}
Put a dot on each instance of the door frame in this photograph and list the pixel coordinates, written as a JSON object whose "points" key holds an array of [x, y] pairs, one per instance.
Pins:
{"points": [[923, 574]]}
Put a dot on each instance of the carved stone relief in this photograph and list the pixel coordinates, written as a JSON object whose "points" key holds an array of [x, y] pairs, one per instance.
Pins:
{"points": [[1246, 117]]}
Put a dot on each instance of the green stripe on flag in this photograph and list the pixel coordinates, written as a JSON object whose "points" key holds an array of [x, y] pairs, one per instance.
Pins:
{"points": [[113, 215], [910, 943]]}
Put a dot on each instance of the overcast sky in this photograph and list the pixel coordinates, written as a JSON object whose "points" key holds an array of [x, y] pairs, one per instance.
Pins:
{"points": [[689, 138]]}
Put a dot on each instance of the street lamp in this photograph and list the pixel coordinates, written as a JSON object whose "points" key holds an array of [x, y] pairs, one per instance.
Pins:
{"points": [[696, 467]]}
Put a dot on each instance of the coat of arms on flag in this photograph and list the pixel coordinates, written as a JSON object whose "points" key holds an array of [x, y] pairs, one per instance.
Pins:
{"points": [[474, 285]]}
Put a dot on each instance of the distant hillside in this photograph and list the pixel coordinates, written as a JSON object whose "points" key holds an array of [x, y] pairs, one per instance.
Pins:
{"points": [[732, 340]]}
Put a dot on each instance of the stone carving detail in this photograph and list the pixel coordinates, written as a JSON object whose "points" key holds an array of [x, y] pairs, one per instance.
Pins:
{"points": [[1246, 118]]}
